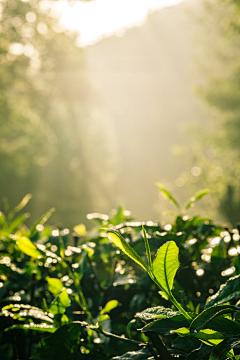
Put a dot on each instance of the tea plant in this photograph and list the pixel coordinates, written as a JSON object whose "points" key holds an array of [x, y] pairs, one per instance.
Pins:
{"points": [[76, 296]]}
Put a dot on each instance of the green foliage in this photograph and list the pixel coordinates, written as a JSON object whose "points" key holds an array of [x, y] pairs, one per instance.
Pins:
{"points": [[89, 300]]}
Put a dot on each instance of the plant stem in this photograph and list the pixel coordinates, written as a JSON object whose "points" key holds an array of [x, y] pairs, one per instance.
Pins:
{"points": [[172, 299], [82, 300], [180, 308]]}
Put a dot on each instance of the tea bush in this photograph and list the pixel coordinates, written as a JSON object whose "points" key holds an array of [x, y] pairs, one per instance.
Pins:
{"points": [[123, 290]]}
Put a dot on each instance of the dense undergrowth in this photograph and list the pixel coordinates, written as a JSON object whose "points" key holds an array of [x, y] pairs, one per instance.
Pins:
{"points": [[124, 290]]}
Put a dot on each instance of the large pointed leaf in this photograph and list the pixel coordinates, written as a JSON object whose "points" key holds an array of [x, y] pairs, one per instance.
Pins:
{"points": [[227, 292], [119, 241], [165, 266], [25, 245], [167, 195], [197, 197], [208, 314]]}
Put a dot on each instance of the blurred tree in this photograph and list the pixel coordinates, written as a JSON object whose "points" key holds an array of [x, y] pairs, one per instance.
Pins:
{"points": [[215, 152], [53, 134]]}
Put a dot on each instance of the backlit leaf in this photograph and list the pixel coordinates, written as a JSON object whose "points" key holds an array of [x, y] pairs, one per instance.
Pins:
{"points": [[25, 245], [167, 195], [112, 304], [197, 197], [60, 303], [165, 266], [208, 335], [147, 247], [119, 241], [80, 229]]}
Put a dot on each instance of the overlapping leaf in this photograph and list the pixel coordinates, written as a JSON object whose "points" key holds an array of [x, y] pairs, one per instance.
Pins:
{"points": [[158, 312], [119, 241], [227, 292]]}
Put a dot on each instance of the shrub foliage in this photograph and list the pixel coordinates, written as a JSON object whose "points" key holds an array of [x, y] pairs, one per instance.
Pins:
{"points": [[123, 290]]}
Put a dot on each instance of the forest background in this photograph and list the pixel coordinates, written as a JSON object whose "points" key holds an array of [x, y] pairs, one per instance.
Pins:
{"points": [[86, 129]]}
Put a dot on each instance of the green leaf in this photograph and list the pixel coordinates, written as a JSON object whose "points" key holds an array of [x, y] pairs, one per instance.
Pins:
{"points": [[18, 221], [119, 241], [25, 245], [23, 203], [219, 353], [225, 326], [21, 311], [112, 304], [167, 195], [227, 292], [103, 318], [118, 217], [186, 343], [165, 326], [208, 314], [41, 221], [80, 267], [3, 221], [129, 326], [80, 229], [37, 327], [197, 197], [165, 266], [200, 353], [60, 303], [54, 285], [208, 335], [147, 247], [60, 345], [158, 312]]}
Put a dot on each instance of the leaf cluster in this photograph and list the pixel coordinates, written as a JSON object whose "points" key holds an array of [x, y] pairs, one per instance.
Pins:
{"points": [[141, 289]]}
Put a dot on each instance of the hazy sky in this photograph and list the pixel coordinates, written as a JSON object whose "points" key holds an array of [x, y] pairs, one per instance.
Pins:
{"points": [[99, 18]]}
